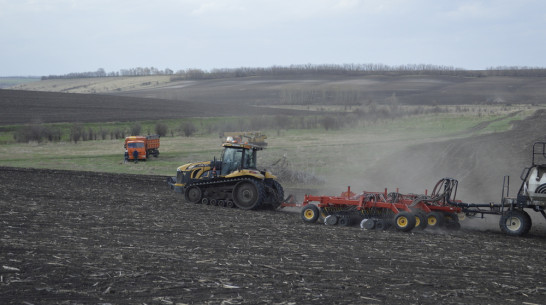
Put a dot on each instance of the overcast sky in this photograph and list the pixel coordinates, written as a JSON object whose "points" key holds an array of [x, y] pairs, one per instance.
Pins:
{"points": [[44, 37]]}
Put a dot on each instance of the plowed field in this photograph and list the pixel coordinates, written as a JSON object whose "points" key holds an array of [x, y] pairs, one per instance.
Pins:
{"points": [[92, 238]]}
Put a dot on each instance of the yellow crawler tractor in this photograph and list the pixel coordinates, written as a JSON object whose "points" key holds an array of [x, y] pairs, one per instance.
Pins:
{"points": [[233, 181]]}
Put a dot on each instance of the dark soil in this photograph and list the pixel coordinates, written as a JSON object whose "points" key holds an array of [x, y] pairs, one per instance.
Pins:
{"points": [[408, 89], [23, 107], [93, 238]]}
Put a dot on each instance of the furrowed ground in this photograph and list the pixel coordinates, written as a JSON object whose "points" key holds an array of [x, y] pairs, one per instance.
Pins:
{"points": [[79, 237]]}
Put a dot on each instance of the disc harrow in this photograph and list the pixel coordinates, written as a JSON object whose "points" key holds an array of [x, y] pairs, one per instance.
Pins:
{"points": [[382, 210]]}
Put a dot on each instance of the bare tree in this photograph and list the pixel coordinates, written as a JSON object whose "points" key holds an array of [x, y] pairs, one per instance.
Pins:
{"points": [[136, 128], [76, 132], [161, 129], [189, 129], [328, 122]]}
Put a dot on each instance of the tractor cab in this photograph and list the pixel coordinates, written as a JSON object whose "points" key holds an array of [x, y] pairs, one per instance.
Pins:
{"points": [[237, 157]]}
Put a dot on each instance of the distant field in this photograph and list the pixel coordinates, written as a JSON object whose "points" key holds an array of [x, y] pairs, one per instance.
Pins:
{"points": [[94, 85], [316, 89], [20, 107]]}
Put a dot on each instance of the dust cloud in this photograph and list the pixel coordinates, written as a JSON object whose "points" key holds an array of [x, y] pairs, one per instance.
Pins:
{"points": [[479, 163]]}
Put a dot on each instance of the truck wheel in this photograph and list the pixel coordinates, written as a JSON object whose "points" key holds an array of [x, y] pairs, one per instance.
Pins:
{"points": [[404, 221], [310, 213], [193, 194], [515, 222], [248, 195]]}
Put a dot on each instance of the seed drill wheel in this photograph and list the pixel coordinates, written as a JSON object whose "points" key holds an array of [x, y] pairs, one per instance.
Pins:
{"points": [[381, 224], [310, 213], [330, 220], [344, 221], [420, 221], [515, 222], [230, 204], [193, 194], [452, 222], [248, 194], [404, 221], [435, 220], [367, 224]]}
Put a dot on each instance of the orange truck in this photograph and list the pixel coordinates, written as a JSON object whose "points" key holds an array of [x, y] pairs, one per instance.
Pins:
{"points": [[145, 146]]}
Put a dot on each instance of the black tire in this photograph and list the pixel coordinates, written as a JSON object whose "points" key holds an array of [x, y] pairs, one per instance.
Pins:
{"points": [[310, 213], [214, 202], [248, 194], [230, 204], [435, 220], [453, 226], [515, 223], [344, 221], [381, 224], [279, 195], [452, 222], [529, 222], [193, 194], [420, 220], [404, 221], [205, 201]]}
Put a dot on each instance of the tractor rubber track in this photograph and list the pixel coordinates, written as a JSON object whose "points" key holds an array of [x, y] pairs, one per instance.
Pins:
{"points": [[230, 182]]}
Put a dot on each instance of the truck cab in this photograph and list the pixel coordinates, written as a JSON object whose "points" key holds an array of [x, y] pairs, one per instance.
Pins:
{"points": [[139, 147]]}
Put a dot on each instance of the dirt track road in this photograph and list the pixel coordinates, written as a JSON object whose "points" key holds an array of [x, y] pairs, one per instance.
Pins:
{"points": [[90, 238]]}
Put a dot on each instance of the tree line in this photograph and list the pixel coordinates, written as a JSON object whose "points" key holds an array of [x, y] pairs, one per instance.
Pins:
{"points": [[370, 113], [139, 71], [323, 69]]}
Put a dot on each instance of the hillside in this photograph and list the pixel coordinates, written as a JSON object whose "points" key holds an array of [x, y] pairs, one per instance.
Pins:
{"points": [[21, 107], [315, 89]]}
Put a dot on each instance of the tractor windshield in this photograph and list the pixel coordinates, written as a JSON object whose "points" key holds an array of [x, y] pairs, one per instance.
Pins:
{"points": [[234, 158]]}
